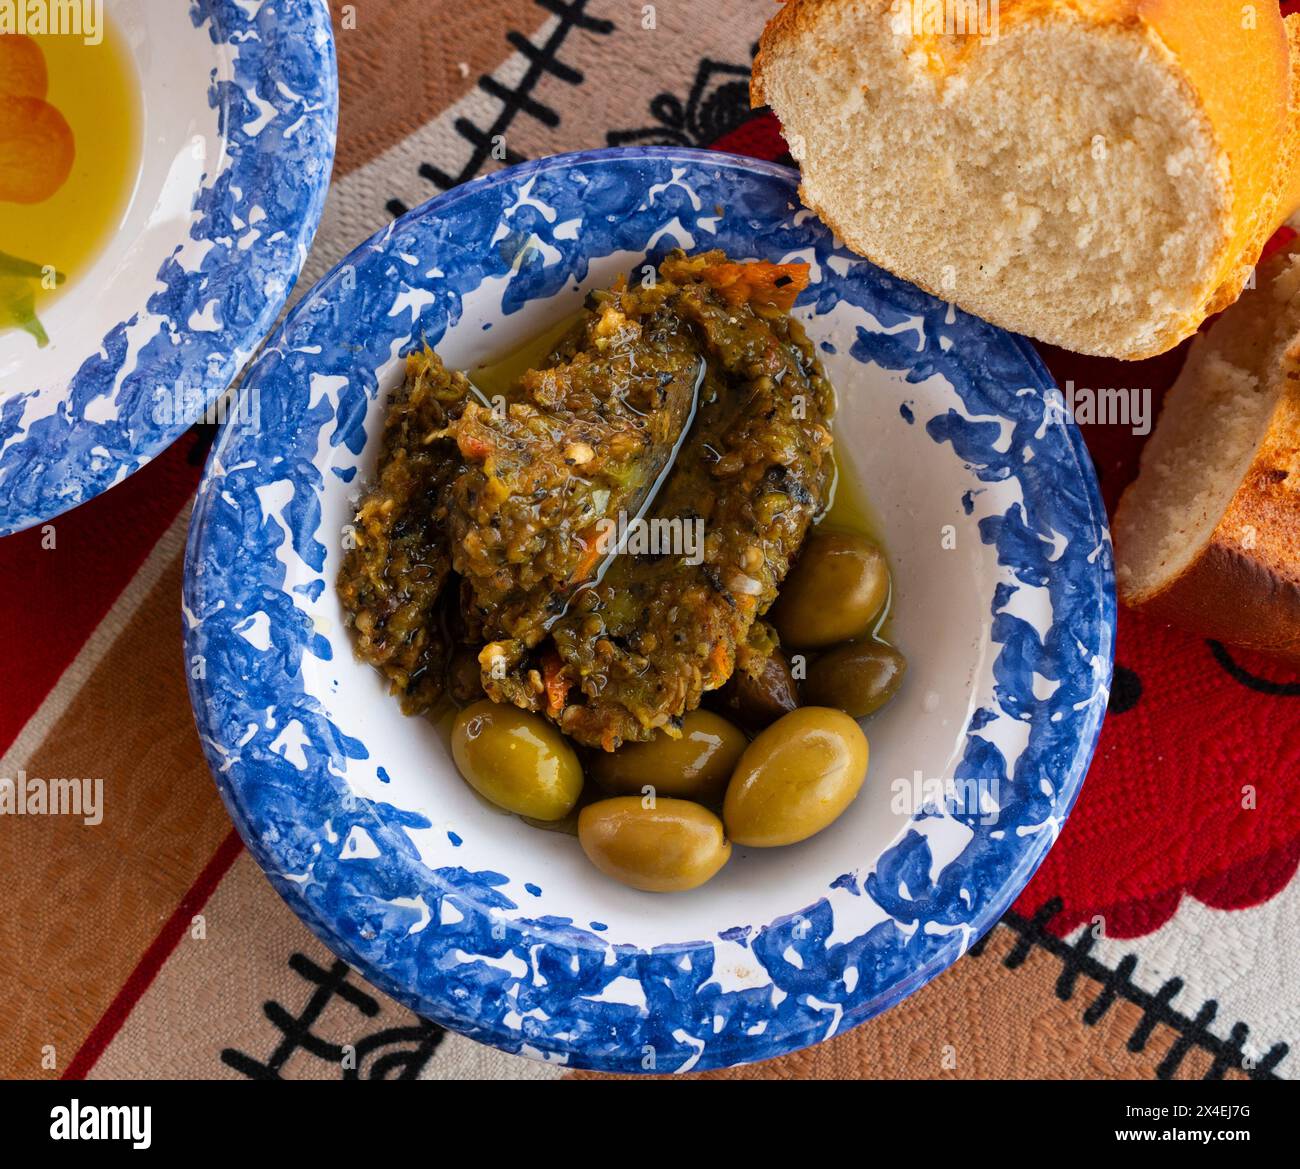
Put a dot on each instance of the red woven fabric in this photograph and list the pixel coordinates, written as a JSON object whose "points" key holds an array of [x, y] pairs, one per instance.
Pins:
{"points": [[59, 579]]}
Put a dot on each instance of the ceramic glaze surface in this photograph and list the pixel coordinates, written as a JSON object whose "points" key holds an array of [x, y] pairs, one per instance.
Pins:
{"points": [[1005, 608], [239, 101]]}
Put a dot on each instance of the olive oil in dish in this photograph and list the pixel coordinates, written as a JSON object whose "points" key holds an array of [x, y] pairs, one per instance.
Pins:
{"points": [[849, 510], [500, 375], [70, 134]]}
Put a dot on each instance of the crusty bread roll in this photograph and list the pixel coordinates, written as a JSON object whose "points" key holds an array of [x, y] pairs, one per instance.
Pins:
{"points": [[1208, 535], [1099, 174]]}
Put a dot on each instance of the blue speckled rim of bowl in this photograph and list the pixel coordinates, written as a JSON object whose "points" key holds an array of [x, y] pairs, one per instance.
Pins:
{"points": [[277, 115], [260, 499]]}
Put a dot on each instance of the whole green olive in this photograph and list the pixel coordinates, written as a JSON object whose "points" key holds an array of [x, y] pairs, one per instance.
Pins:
{"points": [[696, 766], [659, 845], [795, 778], [857, 678], [759, 699], [517, 760], [835, 592]]}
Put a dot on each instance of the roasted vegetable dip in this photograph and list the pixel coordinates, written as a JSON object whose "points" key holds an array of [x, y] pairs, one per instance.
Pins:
{"points": [[694, 398], [397, 563]]}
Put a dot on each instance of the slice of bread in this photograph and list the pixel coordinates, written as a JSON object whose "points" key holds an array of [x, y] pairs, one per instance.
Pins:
{"points": [[1208, 535], [1099, 174]]}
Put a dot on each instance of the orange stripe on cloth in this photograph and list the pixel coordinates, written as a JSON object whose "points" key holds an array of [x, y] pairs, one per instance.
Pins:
{"points": [[395, 72], [83, 901], [154, 957]]}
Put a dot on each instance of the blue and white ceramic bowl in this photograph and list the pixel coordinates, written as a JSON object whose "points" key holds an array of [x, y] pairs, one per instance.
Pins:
{"points": [[239, 102], [1004, 607]]}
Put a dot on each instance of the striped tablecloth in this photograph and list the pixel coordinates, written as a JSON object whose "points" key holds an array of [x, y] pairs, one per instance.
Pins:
{"points": [[1161, 937]]}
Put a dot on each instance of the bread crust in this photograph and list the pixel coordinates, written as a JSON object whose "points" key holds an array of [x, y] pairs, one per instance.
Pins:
{"points": [[1243, 587], [1229, 596], [1247, 90]]}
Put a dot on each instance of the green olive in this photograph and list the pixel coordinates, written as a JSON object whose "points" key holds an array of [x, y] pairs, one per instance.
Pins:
{"points": [[835, 592], [858, 678], [517, 760], [696, 766], [667, 847], [757, 700], [795, 778]]}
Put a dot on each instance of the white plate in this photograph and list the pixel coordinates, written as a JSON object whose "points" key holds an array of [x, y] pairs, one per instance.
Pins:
{"points": [[239, 106], [1005, 609]]}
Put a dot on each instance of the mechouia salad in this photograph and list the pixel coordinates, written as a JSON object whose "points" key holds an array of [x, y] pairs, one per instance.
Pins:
{"points": [[625, 566]]}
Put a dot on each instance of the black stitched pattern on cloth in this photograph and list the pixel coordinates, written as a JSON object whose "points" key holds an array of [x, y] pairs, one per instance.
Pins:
{"points": [[412, 1045], [543, 60], [717, 104], [1115, 984]]}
